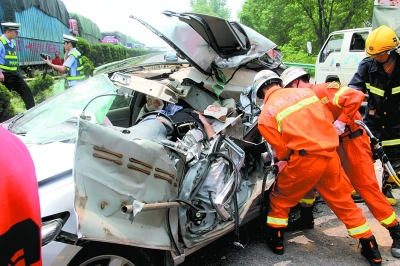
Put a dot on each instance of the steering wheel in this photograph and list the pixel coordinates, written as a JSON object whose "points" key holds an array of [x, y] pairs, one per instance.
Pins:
{"points": [[167, 122]]}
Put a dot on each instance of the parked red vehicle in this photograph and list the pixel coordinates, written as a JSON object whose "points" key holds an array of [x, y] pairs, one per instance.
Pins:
{"points": [[110, 39]]}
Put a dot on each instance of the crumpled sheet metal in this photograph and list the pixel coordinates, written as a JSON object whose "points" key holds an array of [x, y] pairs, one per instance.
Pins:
{"points": [[222, 229], [103, 186]]}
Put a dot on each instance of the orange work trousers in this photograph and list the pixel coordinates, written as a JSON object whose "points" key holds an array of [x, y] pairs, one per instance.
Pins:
{"points": [[356, 157], [301, 174]]}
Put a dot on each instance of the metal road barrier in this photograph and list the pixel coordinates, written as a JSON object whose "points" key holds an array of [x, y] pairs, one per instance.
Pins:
{"points": [[305, 66], [119, 64]]}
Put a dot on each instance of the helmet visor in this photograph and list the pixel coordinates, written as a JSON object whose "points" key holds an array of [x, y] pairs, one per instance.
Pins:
{"points": [[381, 54]]}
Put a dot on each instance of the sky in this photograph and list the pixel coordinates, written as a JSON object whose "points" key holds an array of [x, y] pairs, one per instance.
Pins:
{"points": [[113, 15]]}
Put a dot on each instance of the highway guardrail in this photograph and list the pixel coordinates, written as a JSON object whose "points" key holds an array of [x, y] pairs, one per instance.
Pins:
{"points": [[305, 66], [118, 64]]}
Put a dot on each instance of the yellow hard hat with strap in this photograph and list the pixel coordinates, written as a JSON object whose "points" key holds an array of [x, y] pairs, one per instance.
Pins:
{"points": [[380, 40]]}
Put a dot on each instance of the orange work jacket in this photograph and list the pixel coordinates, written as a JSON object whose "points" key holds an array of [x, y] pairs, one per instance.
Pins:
{"points": [[295, 120], [343, 102]]}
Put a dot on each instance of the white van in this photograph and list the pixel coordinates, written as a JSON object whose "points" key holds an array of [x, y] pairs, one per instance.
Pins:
{"points": [[343, 50], [340, 55]]}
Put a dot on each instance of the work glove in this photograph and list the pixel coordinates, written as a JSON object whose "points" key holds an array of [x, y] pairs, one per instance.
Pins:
{"points": [[379, 152], [339, 127]]}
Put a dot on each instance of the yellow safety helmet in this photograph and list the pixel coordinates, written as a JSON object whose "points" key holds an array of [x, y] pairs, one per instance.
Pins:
{"points": [[380, 40]]}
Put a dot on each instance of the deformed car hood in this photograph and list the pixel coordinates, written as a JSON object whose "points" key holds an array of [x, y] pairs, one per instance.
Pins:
{"points": [[51, 160], [203, 40]]}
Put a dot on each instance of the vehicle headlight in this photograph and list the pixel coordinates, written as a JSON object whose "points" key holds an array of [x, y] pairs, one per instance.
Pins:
{"points": [[50, 230]]}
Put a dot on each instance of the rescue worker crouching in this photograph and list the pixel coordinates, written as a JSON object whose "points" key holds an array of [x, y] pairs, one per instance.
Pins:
{"points": [[342, 104], [379, 75], [73, 64], [293, 121]]}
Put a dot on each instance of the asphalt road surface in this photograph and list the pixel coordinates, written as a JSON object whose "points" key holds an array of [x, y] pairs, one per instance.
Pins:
{"points": [[327, 244]]}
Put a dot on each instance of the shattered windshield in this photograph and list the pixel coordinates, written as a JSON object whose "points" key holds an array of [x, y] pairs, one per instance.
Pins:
{"points": [[56, 118]]}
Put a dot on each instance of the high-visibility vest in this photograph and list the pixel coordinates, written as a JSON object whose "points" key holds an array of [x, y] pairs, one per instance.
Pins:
{"points": [[80, 73], [10, 58]]}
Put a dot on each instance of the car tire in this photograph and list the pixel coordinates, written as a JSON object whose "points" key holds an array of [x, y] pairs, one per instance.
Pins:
{"points": [[105, 254]]}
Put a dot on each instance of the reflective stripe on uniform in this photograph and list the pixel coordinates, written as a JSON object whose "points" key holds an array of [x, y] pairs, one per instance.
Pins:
{"points": [[388, 220], [277, 221], [285, 112], [307, 201], [75, 78], [80, 74], [325, 100], [375, 90], [358, 230], [8, 68], [338, 94], [10, 57], [395, 90], [391, 142]]}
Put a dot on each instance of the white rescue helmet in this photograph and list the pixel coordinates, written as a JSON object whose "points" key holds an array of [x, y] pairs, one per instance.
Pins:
{"points": [[263, 78], [292, 73]]}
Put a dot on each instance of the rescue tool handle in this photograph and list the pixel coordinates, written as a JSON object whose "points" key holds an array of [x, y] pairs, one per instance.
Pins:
{"points": [[378, 150]]}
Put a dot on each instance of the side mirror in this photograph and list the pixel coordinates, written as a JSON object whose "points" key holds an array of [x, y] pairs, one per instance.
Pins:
{"points": [[309, 48]]}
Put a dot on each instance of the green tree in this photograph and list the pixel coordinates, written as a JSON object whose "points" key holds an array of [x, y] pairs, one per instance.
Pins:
{"points": [[83, 46], [327, 16], [296, 22], [107, 57], [40, 84], [96, 55], [217, 8], [88, 66]]}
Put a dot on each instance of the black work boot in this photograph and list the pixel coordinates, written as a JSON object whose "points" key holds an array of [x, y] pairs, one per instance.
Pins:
{"points": [[306, 220], [387, 191], [275, 240], [369, 249], [395, 234]]}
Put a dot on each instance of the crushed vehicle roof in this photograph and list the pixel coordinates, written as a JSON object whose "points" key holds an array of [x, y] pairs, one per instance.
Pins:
{"points": [[204, 40]]}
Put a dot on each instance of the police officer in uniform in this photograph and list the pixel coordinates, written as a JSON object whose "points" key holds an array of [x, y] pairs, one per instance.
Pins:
{"points": [[9, 64], [73, 64]]}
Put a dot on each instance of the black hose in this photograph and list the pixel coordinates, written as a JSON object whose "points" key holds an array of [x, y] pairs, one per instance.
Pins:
{"points": [[235, 202], [218, 145], [187, 203], [212, 203], [229, 160], [108, 94], [202, 179], [263, 207], [233, 74], [171, 237]]}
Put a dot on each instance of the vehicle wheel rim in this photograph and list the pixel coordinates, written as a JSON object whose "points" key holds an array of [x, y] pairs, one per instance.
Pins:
{"points": [[108, 260]]}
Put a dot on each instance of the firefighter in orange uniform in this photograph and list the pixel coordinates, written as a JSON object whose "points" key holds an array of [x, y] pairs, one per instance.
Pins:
{"points": [[293, 121], [354, 149]]}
